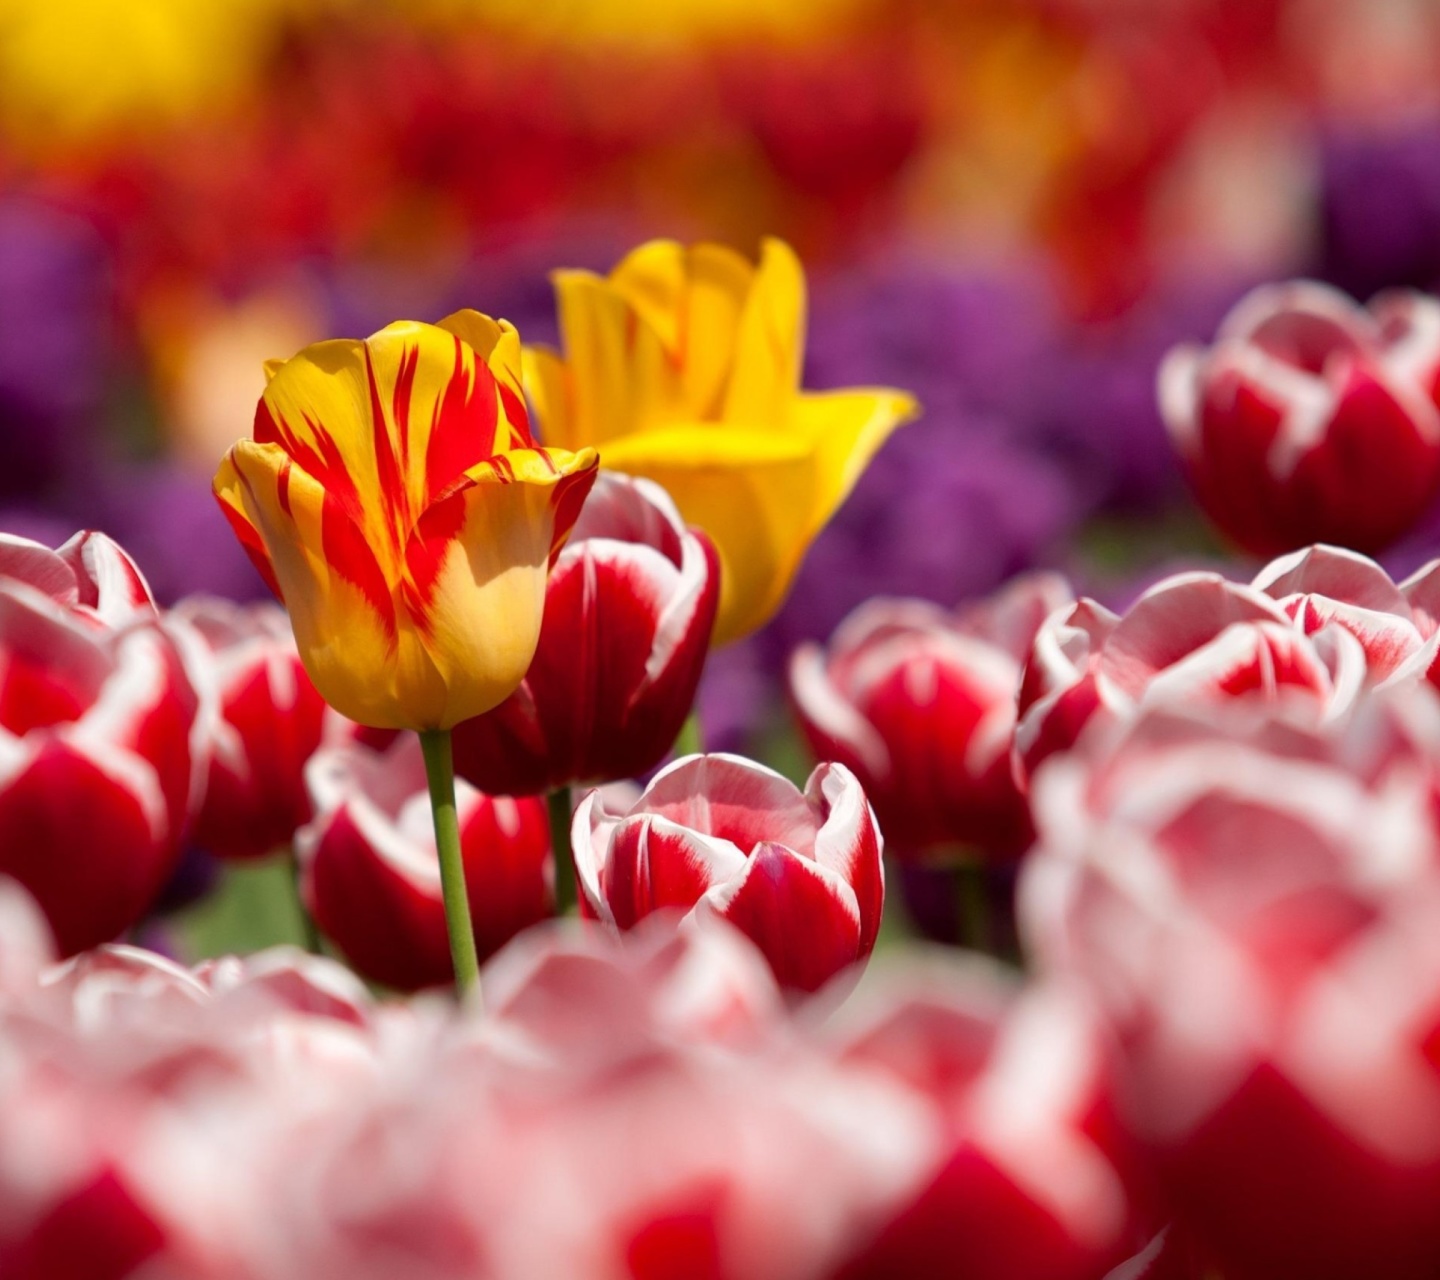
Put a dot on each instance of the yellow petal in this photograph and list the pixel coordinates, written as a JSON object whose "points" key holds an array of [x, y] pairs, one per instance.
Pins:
{"points": [[358, 648], [606, 374], [752, 491], [384, 424], [770, 344], [548, 386], [496, 342], [847, 428], [477, 567]]}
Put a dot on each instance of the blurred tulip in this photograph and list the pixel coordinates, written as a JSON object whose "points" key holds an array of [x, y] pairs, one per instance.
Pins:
{"points": [[683, 365], [371, 879], [96, 721], [628, 614], [920, 705], [718, 835], [1257, 924], [1031, 1173], [270, 722], [1311, 419], [396, 503], [1192, 638]]}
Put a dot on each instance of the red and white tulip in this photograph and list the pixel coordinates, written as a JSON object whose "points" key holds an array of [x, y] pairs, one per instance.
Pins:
{"points": [[629, 609], [97, 716], [717, 835], [1311, 419], [920, 704], [270, 721], [370, 875]]}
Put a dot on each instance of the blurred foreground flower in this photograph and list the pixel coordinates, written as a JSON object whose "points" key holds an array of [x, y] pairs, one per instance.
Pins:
{"points": [[395, 501], [270, 722], [717, 835], [1311, 419], [628, 614], [920, 704], [97, 719], [1253, 902], [370, 876], [683, 365]]}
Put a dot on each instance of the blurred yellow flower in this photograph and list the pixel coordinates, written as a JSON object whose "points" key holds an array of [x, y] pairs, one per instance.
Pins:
{"points": [[76, 67], [396, 502], [683, 365]]}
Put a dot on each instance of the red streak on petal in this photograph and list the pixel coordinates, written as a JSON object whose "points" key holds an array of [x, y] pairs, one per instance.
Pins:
{"points": [[350, 556], [387, 469], [463, 424]]}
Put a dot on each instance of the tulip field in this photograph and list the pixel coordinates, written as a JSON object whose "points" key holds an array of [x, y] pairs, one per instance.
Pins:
{"points": [[719, 641]]}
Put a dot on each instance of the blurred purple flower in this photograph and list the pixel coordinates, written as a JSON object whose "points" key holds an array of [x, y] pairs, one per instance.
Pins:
{"points": [[55, 333], [1380, 206]]}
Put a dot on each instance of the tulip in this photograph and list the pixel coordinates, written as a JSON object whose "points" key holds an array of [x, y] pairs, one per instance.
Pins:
{"points": [[920, 705], [1194, 638], [96, 726], [394, 499], [1030, 1174], [1311, 419], [683, 365], [1255, 917], [271, 721], [628, 614], [370, 876], [719, 836]]}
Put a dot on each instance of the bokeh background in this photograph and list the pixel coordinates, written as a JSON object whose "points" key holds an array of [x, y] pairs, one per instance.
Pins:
{"points": [[1010, 207]]}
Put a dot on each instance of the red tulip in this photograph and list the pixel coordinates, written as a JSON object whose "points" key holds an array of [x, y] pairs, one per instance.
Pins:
{"points": [[96, 720], [1254, 904], [920, 704], [1030, 1175], [1194, 638], [628, 614], [1311, 419], [716, 835], [271, 721], [371, 877]]}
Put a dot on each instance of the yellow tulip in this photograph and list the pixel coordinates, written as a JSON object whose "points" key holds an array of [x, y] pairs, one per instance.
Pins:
{"points": [[683, 365], [395, 500]]}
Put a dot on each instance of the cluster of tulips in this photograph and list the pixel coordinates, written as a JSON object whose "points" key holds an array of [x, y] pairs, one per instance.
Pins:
{"points": [[1218, 810]]}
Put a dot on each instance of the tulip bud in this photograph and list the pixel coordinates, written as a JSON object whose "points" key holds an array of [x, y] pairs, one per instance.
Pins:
{"points": [[370, 875], [270, 722], [95, 723], [717, 835], [1311, 419], [628, 614], [920, 705]]}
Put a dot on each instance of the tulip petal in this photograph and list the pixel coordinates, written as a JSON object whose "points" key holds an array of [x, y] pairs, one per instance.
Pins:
{"points": [[848, 428], [476, 569], [770, 343], [752, 492], [799, 913], [654, 864], [353, 644], [734, 799], [849, 843]]}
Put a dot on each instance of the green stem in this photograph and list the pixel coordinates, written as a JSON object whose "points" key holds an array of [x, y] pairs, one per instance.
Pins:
{"points": [[690, 741], [440, 774], [309, 931], [973, 903], [559, 802]]}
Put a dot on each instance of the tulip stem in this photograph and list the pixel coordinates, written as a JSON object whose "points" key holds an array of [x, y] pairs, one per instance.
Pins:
{"points": [[973, 903], [690, 741], [308, 928], [559, 802], [440, 774]]}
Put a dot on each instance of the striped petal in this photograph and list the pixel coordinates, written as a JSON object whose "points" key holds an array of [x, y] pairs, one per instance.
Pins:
{"points": [[476, 570]]}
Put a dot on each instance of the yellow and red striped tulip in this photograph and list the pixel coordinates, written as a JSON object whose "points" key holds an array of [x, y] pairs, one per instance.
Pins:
{"points": [[395, 500], [683, 365]]}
